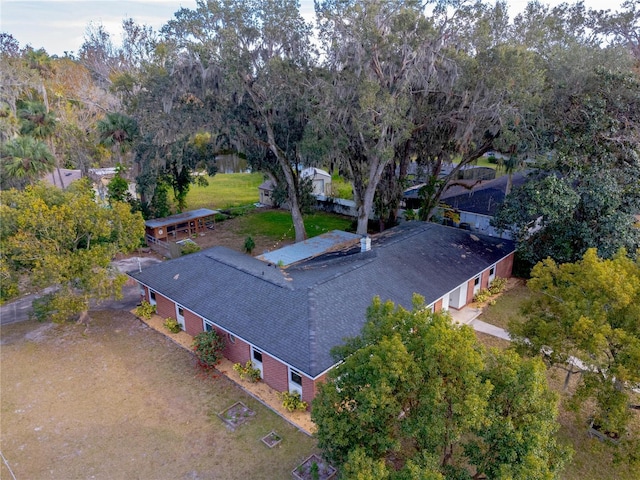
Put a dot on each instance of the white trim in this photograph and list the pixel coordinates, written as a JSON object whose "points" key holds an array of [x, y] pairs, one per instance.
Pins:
{"points": [[466, 282], [152, 299], [324, 372], [294, 386]]}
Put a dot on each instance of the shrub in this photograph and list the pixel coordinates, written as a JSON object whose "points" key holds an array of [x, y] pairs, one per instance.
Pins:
{"points": [[249, 245], [497, 285], [410, 214], [247, 372], [145, 310], [172, 325], [293, 401], [482, 296], [189, 247], [208, 348]]}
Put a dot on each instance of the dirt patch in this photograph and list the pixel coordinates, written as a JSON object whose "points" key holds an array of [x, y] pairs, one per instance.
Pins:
{"points": [[117, 399], [228, 234]]}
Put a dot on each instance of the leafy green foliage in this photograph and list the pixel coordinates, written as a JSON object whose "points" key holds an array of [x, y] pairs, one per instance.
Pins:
{"points": [[65, 239], [172, 325], [145, 310], [247, 372], [208, 347], [422, 399], [249, 245], [189, 247], [293, 402], [589, 310]]}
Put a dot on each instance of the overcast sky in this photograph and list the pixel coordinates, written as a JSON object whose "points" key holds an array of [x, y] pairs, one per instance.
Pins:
{"points": [[58, 26]]}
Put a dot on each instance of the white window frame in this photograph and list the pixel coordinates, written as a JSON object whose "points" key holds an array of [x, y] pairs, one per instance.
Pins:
{"points": [[477, 283], [492, 273], [293, 385]]}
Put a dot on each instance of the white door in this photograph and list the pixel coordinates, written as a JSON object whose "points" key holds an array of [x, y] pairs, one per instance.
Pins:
{"points": [[492, 273], [445, 302], [256, 360], [476, 285], [180, 316]]}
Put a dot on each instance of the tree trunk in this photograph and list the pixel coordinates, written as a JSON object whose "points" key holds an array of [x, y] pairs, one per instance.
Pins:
{"points": [[294, 204]]}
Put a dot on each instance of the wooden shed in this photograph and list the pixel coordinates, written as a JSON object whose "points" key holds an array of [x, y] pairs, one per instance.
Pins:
{"points": [[175, 227]]}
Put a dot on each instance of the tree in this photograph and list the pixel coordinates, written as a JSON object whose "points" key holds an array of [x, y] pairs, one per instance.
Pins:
{"points": [[118, 132], [589, 125], [25, 159], [415, 396], [246, 62], [376, 54], [589, 311], [64, 239]]}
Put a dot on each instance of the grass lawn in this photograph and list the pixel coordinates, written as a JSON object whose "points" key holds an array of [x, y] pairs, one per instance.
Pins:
{"points": [[226, 190], [278, 224], [507, 306]]}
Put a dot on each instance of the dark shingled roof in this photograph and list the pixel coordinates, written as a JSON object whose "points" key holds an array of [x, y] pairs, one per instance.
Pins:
{"points": [[484, 198], [299, 313]]}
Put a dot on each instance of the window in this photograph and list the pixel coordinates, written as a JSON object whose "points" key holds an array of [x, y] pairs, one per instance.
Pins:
{"points": [[208, 327], [295, 377], [257, 355], [181, 311], [492, 273], [152, 297], [295, 382], [476, 285], [232, 338]]}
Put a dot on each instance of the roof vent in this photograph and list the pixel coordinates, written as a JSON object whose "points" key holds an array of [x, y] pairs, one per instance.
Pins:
{"points": [[365, 244]]}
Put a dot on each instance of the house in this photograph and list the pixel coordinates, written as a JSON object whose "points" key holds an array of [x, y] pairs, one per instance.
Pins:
{"points": [[477, 205], [286, 320], [266, 193], [320, 180]]}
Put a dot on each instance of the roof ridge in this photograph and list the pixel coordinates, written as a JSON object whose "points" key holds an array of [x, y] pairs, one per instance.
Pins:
{"points": [[282, 281]]}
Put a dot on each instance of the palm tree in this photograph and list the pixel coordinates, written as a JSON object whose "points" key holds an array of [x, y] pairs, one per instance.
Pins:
{"points": [[38, 122], [25, 158], [118, 132]]}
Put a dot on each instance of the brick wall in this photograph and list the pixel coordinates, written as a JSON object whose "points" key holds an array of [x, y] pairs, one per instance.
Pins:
{"points": [[192, 323], [165, 307], [437, 306], [238, 352], [505, 266], [276, 374]]}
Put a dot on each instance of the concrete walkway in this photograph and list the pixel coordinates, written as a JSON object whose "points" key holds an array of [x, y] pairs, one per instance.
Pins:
{"points": [[469, 316], [480, 326]]}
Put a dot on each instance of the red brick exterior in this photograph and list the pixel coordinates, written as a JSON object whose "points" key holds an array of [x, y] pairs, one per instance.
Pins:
{"points": [[192, 323], [276, 373], [437, 306], [310, 387], [504, 268]]}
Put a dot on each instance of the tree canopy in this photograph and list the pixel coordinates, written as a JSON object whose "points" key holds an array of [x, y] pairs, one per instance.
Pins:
{"points": [[589, 310], [417, 397], [65, 240]]}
